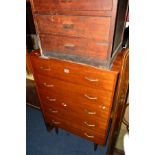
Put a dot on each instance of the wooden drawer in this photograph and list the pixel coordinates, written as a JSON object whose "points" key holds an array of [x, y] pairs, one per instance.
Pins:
{"points": [[75, 128], [75, 73], [42, 66], [85, 94], [77, 26], [84, 110], [67, 113], [73, 5], [74, 46], [68, 97]]}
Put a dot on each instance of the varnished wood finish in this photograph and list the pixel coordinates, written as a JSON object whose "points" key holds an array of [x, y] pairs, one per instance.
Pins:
{"points": [[120, 64], [76, 26], [73, 5], [87, 75], [74, 128], [91, 28], [74, 46], [85, 29], [65, 93]]}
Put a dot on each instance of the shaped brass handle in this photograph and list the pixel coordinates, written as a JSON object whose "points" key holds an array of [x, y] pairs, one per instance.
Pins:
{"points": [[90, 125], [53, 111], [89, 136], [46, 69], [48, 85], [90, 98], [54, 122], [90, 112], [91, 80], [51, 99]]}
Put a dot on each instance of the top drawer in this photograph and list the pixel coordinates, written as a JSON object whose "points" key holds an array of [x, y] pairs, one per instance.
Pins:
{"points": [[75, 73], [73, 5]]}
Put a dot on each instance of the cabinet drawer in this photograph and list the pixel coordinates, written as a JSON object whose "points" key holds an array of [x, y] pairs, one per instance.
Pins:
{"points": [[74, 46], [75, 128], [75, 73], [71, 115], [83, 110], [73, 5], [40, 65], [73, 98], [84, 94], [77, 26]]}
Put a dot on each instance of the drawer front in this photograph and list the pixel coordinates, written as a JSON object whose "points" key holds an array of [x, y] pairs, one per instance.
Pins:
{"points": [[75, 128], [83, 110], [85, 94], [97, 125], [73, 98], [73, 5], [40, 65], [77, 26], [75, 73], [74, 46]]}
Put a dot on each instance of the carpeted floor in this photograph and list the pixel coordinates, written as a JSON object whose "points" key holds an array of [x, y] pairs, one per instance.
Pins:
{"points": [[41, 142]]}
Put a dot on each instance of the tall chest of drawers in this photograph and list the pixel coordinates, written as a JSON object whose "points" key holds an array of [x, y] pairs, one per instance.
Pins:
{"points": [[72, 70]]}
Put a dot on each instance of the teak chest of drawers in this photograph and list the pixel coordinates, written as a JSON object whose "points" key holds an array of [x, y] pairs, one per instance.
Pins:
{"points": [[79, 40], [76, 97]]}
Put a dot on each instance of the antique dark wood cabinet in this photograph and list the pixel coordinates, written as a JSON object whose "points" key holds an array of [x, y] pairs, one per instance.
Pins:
{"points": [[73, 70], [87, 31]]}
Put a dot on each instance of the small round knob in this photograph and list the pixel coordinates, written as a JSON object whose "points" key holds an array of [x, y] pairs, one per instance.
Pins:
{"points": [[103, 107], [64, 104]]}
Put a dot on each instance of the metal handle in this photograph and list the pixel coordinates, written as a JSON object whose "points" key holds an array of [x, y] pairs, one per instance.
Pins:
{"points": [[68, 26], [89, 136], [101, 43], [69, 45], [63, 1], [54, 122], [51, 99], [90, 112], [90, 125], [46, 69], [90, 98], [53, 111], [64, 104], [91, 80], [47, 85]]}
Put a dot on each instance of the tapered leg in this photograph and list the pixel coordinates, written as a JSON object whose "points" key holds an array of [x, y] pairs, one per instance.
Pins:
{"points": [[49, 127], [95, 146], [56, 130]]}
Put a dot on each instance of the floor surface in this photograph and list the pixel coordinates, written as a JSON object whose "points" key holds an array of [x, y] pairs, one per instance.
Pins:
{"points": [[41, 142]]}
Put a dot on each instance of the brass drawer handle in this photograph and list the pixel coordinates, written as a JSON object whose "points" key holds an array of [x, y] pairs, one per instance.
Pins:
{"points": [[91, 80], [69, 45], [63, 1], [90, 125], [53, 111], [90, 98], [89, 136], [47, 85], [46, 69], [90, 112], [101, 43], [64, 104], [54, 122], [50, 99], [68, 26]]}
